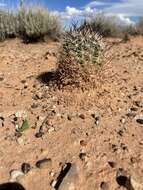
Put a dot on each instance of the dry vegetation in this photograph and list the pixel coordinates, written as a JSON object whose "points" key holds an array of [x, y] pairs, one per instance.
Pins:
{"points": [[29, 23]]}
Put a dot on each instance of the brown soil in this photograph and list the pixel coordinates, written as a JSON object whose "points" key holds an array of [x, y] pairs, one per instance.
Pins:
{"points": [[71, 125]]}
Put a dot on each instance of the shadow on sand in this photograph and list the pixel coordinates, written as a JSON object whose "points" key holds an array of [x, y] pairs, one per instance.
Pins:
{"points": [[11, 186]]}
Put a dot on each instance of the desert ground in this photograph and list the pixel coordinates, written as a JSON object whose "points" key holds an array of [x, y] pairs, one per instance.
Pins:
{"points": [[91, 134]]}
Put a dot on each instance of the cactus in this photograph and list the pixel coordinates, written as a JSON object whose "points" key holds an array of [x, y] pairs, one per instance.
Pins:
{"points": [[79, 57], [83, 45]]}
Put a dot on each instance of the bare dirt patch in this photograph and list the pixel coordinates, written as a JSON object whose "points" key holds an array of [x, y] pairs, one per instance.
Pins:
{"points": [[96, 129]]}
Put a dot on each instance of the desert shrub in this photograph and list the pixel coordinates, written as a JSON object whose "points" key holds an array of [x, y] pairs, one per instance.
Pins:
{"points": [[7, 24], [29, 23], [129, 29], [79, 57], [105, 26], [140, 26], [36, 23]]}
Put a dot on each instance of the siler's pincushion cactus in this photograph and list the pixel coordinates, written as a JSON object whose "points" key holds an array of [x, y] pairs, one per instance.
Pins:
{"points": [[83, 45]]}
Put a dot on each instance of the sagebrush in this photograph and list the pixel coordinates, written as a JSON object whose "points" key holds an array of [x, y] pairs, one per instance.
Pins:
{"points": [[29, 23]]}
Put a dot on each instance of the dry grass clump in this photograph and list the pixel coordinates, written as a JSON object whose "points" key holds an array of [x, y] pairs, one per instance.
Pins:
{"points": [[110, 26], [79, 58], [36, 23], [29, 23], [105, 26], [8, 24], [140, 26]]}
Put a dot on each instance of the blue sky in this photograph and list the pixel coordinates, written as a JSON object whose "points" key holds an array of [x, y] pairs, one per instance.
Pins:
{"points": [[126, 10]]}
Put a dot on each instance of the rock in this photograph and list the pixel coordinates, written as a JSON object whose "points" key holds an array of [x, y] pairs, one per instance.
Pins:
{"points": [[139, 119], [133, 109], [18, 134], [20, 141], [25, 168], [121, 177], [51, 129], [70, 180], [83, 143], [44, 164], [69, 117], [135, 184], [139, 104], [34, 106], [82, 116], [122, 120], [104, 185], [112, 164], [82, 156], [15, 175], [1, 78], [39, 135]]}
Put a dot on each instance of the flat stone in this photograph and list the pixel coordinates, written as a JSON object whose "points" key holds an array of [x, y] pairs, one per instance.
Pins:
{"points": [[15, 175], [70, 181], [46, 163]]}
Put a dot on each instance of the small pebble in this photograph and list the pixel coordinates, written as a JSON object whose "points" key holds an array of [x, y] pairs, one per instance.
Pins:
{"points": [[39, 135], [104, 185], [34, 106], [83, 143], [112, 164], [44, 164], [82, 116], [15, 175], [25, 168], [82, 156]]}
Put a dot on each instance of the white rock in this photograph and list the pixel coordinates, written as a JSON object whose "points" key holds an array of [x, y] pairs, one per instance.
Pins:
{"points": [[15, 175]]}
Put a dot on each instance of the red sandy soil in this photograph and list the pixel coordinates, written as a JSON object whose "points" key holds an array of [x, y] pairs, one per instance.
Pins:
{"points": [[71, 126]]}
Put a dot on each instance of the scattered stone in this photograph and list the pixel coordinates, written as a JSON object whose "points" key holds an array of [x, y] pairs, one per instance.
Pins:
{"points": [[122, 177], [25, 168], [82, 156], [139, 104], [133, 109], [131, 115], [69, 117], [1, 79], [112, 164], [23, 81], [18, 134], [104, 185], [135, 183], [122, 120], [20, 141], [53, 183], [83, 143], [44, 164], [39, 135], [82, 116], [68, 178], [97, 119], [34, 106], [139, 119], [15, 175], [51, 129]]}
